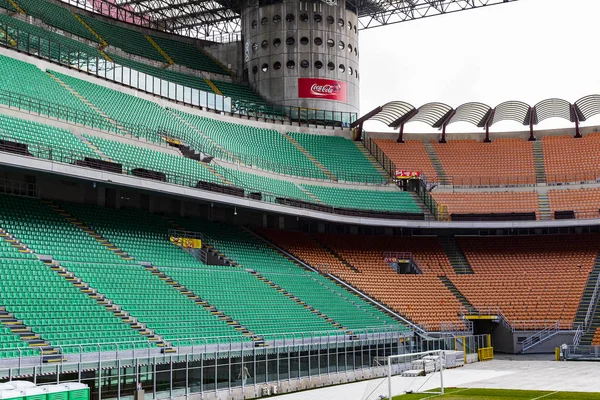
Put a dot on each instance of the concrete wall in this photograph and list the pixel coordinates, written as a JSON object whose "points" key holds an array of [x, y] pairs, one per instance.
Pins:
{"points": [[291, 385], [285, 41]]}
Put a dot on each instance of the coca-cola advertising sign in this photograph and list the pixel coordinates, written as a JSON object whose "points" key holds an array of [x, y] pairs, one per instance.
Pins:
{"points": [[326, 89]]}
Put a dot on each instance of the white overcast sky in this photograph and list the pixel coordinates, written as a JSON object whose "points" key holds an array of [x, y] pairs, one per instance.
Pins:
{"points": [[526, 50]]}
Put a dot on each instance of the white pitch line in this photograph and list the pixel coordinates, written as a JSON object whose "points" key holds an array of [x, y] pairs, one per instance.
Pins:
{"points": [[546, 395], [440, 395]]}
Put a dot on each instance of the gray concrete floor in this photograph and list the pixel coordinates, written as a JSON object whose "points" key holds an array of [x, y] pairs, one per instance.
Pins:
{"points": [[530, 372]]}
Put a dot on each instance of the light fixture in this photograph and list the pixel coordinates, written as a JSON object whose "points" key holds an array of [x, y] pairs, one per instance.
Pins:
{"points": [[235, 211]]}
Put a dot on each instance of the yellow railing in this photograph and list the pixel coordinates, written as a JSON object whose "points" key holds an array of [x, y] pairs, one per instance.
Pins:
{"points": [[213, 86], [485, 353], [160, 50], [16, 6], [103, 42]]}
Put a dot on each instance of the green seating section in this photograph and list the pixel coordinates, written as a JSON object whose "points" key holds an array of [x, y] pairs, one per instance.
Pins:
{"points": [[129, 40], [251, 143], [53, 307], [264, 184], [190, 81], [365, 199], [161, 307], [17, 77], [35, 134], [57, 16], [179, 170], [131, 111], [7, 5], [246, 101], [43, 43], [183, 53], [256, 305], [251, 253], [340, 156], [11, 345]]}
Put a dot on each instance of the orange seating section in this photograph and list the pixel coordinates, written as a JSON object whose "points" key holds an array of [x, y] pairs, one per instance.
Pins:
{"points": [[473, 163], [410, 155], [596, 339], [528, 278], [489, 202], [572, 160], [534, 281], [422, 299], [585, 202]]}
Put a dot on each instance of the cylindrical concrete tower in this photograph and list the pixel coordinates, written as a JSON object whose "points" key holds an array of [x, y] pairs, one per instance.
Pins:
{"points": [[302, 53]]}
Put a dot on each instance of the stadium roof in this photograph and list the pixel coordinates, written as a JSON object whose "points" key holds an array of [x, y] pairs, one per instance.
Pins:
{"points": [[219, 20], [396, 114]]}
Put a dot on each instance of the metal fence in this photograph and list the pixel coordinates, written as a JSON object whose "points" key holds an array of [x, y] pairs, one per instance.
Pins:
{"points": [[200, 372], [94, 63]]}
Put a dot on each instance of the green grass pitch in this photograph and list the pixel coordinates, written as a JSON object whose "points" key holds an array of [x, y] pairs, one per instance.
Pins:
{"points": [[500, 394]]}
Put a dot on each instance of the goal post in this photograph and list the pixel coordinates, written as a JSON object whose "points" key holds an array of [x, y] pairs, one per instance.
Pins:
{"points": [[421, 372]]}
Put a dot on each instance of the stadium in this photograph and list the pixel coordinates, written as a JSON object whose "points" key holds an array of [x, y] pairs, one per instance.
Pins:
{"points": [[194, 204]]}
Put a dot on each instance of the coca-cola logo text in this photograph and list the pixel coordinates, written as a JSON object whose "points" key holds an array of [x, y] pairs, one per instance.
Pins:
{"points": [[324, 90]]}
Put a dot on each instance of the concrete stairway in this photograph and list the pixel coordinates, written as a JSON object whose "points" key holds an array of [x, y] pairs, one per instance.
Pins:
{"points": [[454, 290], [457, 258], [312, 158], [584, 305], [538, 162], [437, 165], [544, 206], [361, 147]]}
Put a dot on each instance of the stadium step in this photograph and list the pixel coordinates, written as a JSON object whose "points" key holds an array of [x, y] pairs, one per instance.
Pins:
{"points": [[90, 231], [437, 164], [584, 306], [457, 258], [300, 302], [333, 253], [88, 103], [216, 173], [326, 275], [258, 340], [309, 193], [544, 206], [18, 327], [226, 153], [459, 296], [32, 339], [422, 206], [110, 306], [103, 43], [361, 147], [316, 162], [299, 265], [160, 50], [93, 147], [539, 162]]}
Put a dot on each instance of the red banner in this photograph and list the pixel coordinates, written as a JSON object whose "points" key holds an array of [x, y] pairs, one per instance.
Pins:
{"points": [[404, 174], [327, 89]]}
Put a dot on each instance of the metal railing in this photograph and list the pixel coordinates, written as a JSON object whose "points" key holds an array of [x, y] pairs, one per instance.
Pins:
{"points": [[95, 352], [578, 335], [591, 311], [540, 337], [93, 63], [450, 181], [69, 156]]}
